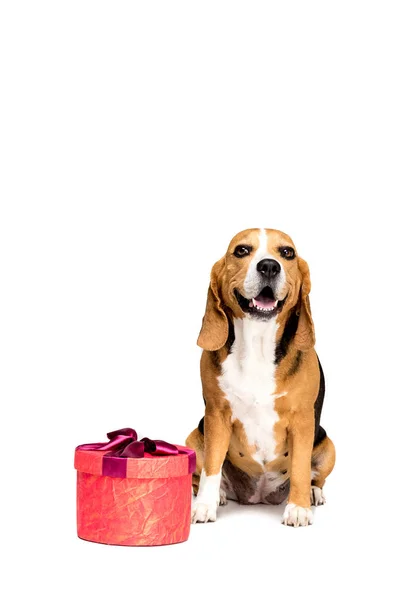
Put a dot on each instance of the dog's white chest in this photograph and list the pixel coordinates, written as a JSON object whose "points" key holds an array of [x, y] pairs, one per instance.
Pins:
{"points": [[248, 381]]}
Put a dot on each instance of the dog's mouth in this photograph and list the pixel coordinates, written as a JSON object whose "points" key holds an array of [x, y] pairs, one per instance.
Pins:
{"points": [[264, 306]]}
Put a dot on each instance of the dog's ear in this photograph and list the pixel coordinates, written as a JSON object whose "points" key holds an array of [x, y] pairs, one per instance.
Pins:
{"points": [[305, 334], [214, 330]]}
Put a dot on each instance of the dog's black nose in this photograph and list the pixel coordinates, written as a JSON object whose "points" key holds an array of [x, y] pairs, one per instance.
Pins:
{"points": [[269, 267]]}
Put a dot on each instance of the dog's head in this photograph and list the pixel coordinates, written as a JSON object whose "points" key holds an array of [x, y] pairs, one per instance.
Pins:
{"points": [[260, 277]]}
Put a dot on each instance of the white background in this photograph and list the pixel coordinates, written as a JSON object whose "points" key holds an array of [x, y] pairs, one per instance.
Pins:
{"points": [[136, 139]]}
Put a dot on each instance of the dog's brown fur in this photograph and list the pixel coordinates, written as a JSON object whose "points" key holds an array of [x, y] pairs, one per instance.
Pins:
{"points": [[297, 378]]}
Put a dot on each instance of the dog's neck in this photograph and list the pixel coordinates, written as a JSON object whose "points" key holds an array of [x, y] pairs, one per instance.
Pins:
{"points": [[255, 341], [267, 340], [287, 331]]}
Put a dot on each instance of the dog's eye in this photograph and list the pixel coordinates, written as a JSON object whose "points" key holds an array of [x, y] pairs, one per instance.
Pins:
{"points": [[287, 252], [241, 251]]}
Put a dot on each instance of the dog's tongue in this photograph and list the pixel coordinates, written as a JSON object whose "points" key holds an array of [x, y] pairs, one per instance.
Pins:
{"points": [[264, 302]]}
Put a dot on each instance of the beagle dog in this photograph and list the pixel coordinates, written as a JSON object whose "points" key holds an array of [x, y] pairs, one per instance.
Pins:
{"points": [[260, 440]]}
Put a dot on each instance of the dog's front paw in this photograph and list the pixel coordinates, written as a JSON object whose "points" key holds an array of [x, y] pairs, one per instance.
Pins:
{"points": [[297, 516], [317, 496], [201, 512]]}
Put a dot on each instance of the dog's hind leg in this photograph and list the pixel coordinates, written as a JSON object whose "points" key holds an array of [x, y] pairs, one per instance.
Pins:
{"points": [[322, 463]]}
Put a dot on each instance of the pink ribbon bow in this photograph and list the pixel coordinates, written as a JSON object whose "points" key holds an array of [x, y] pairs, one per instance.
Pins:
{"points": [[124, 444]]}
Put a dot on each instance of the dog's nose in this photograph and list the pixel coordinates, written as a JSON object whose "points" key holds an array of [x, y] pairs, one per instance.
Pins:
{"points": [[269, 267]]}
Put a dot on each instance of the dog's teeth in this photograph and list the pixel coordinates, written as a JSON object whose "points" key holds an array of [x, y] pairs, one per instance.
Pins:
{"points": [[262, 308]]}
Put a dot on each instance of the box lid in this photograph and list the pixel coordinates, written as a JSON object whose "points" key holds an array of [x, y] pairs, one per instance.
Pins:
{"points": [[98, 462]]}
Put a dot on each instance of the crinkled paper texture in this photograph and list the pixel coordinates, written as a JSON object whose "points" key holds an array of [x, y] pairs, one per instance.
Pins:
{"points": [[134, 511]]}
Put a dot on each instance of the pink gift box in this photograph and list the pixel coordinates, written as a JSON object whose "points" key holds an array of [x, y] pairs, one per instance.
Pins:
{"points": [[143, 501]]}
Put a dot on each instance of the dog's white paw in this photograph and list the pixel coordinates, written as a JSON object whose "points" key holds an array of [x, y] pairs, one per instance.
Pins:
{"points": [[222, 498], [297, 516], [317, 496], [201, 512]]}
